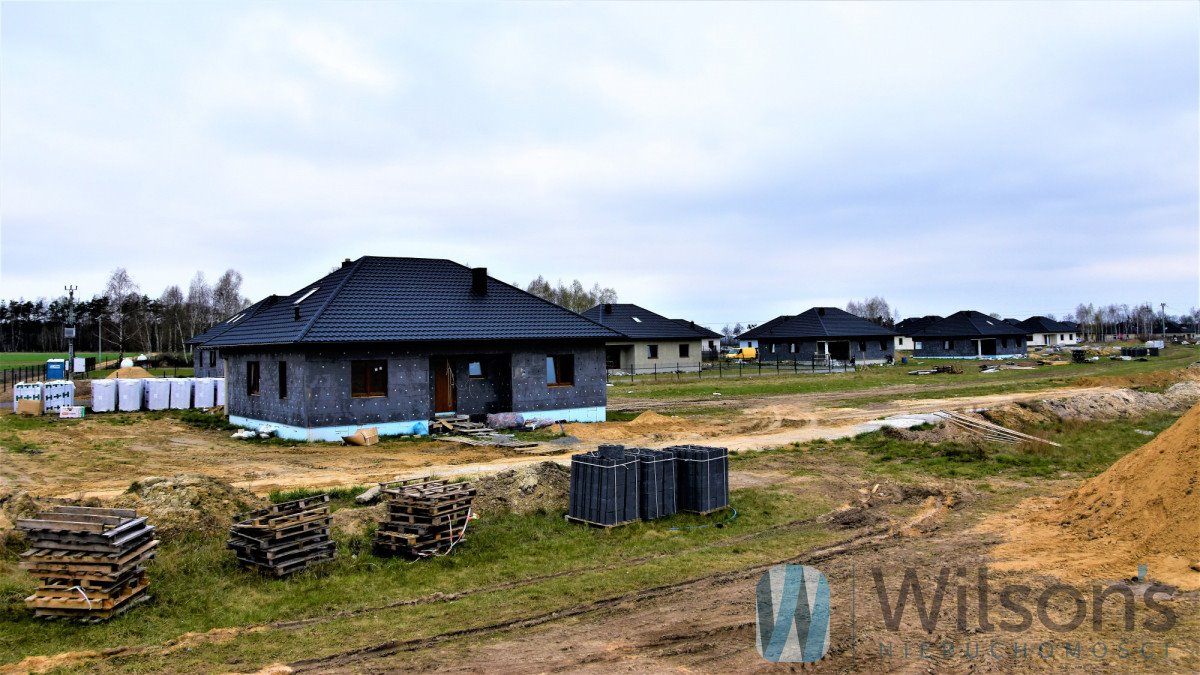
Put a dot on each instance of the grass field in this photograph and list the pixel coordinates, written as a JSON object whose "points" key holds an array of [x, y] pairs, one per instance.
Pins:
{"points": [[13, 359], [688, 386]]}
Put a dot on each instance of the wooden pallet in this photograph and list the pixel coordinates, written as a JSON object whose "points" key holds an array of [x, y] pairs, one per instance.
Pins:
{"points": [[424, 516], [91, 563], [284, 538]]}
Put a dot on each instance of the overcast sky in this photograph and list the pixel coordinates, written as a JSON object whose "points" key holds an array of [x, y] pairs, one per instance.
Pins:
{"points": [[719, 162]]}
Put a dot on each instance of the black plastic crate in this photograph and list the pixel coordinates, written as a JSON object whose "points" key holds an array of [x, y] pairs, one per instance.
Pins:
{"points": [[604, 486], [656, 494], [701, 478]]}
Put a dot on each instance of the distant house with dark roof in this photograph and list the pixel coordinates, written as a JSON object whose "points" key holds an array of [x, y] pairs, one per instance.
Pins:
{"points": [[206, 360], [1043, 332], [907, 327], [969, 335], [648, 342], [822, 331], [710, 340], [392, 342]]}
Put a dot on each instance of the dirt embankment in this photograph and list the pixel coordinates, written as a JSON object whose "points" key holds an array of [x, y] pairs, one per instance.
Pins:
{"points": [[1143, 510]]}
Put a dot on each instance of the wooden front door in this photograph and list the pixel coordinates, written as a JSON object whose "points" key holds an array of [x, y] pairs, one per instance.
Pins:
{"points": [[444, 399]]}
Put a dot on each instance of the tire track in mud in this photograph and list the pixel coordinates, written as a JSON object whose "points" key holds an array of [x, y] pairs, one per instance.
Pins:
{"points": [[873, 536]]}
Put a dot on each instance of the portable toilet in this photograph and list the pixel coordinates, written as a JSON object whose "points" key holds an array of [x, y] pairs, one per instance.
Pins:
{"points": [[26, 391], [220, 382], [157, 394], [104, 395], [58, 393], [181, 392], [129, 395], [56, 369], [204, 392]]}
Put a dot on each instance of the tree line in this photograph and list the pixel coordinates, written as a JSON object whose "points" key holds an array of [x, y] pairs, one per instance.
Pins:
{"points": [[574, 297], [122, 318]]}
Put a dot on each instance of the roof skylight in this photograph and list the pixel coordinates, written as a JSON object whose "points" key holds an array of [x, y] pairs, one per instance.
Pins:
{"points": [[304, 297], [637, 319]]}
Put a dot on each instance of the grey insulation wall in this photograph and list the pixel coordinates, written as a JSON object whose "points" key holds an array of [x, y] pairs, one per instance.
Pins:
{"points": [[267, 405], [965, 346], [532, 393], [877, 348], [201, 359]]}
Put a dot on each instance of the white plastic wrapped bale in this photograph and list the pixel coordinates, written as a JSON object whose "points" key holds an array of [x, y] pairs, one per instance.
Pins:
{"points": [[129, 395], [104, 395], [181, 392], [27, 391], [220, 382], [157, 394], [205, 392], [57, 394]]}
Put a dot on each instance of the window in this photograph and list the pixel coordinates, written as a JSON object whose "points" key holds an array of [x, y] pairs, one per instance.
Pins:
{"points": [[283, 379], [1003, 342], [883, 345], [368, 379], [917, 345], [560, 369], [772, 347], [792, 347], [948, 344], [862, 346], [475, 370], [684, 351], [252, 379], [212, 358], [1061, 337], [652, 351]]}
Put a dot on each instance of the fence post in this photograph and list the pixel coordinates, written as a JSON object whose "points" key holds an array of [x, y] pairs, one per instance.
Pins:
{"points": [[656, 372]]}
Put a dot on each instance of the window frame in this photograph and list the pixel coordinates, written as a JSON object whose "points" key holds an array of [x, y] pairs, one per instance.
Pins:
{"points": [[554, 365], [482, 370], [253, 379], [282, 376], [651, 352], [368, 368], [685, 350]]}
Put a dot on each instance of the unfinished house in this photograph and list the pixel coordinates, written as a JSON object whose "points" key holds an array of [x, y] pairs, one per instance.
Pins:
{"points": [[647, 342], [392, 342], [969, 335], [1043, 332], [823, 333], [207, 360], [907, 327]]}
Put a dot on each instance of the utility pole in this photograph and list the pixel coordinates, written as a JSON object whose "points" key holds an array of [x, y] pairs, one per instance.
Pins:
{"points": [[70, 328], [1163, 306]]}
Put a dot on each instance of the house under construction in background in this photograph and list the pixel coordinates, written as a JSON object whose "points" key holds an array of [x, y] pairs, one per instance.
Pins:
{"points": [[392, 342], [969, 335]]}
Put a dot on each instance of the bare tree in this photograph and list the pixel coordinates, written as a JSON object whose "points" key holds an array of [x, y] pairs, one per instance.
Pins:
{"points": [[122, 294], [574, 297], [227, 294], [199, 304], [874, 309]]}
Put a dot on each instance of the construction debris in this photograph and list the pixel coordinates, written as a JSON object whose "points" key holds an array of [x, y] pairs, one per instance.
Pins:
{"points": [[424, 517], [91, 562], [284, 538], [938, 370], [473, 433], [490, 440], [991, 432]]}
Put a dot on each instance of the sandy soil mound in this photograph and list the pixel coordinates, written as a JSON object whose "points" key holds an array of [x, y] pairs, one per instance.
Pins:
{"points": [[133, 372], [523, 490], [648, 423], [187, 503], [1122, 403], [1143, 509], [354, 522]]}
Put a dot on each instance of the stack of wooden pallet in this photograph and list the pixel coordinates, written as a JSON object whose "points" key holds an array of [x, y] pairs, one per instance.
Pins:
{"points": [[454, 424], [284, 538], [424, 517], [91, 562]]}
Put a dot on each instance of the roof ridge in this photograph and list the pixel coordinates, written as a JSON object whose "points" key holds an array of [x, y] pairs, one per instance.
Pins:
{"points": [[354, 267]]}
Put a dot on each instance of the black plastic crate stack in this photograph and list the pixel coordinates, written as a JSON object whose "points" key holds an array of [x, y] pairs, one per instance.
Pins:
{"points": [[1079, 356], [701, 478], [656, 473], [425, 517], [91, 562], [604, 487], [284, 538]]}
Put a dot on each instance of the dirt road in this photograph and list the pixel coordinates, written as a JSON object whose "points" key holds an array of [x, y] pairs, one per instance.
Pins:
{"points": [[100, 455]]}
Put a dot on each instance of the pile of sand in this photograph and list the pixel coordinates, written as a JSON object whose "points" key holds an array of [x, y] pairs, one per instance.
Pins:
{"points": [[187, 503], [648, 424], [1101, 405], [1143, 509], [541, 486], [131, 373]]}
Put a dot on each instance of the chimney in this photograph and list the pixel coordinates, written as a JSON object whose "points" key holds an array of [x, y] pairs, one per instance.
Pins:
{"points": [[820, 311], [347, 262], [296, 313], [479, 280], [608, 308]]}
